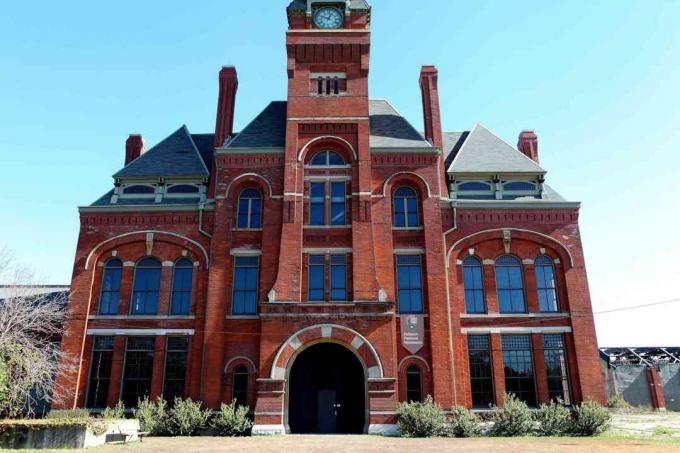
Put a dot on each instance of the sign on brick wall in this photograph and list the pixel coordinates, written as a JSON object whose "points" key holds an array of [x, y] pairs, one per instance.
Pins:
{"points": [[413, 332]]}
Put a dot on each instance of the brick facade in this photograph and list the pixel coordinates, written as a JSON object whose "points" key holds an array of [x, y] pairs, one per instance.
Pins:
{"points": [[267, 342]]}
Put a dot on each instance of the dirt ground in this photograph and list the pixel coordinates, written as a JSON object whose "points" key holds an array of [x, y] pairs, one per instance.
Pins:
{"points": [[368, 444]]}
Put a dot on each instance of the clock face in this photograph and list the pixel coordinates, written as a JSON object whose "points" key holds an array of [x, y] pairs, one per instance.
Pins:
{"points": [[328, 17]]}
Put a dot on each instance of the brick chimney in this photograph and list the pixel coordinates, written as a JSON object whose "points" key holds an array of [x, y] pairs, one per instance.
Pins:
{"points": [[528, 144], [134, 147], [431, 116], [225, 105]]}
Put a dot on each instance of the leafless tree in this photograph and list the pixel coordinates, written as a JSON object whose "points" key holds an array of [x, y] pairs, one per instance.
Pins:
{"points": [[30, 329]]}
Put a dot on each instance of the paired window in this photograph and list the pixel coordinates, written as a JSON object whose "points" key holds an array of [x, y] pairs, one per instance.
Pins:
{"points": [[176, 353], [139, 353], [100, 373], [327, 267], [246, 277], [510, 285], [545, 284], [414, 384], [146, 287], [555, 354], [327, 209], [250, 209], [328, 84], [239, 386], [110, 294], [406, 208], [409, 283], [181, 287], [474, 286], [481, 375], [519, 367]]}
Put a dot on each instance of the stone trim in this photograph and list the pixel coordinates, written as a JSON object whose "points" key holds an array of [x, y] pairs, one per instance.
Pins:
{"points": [[140, 332], [511, 330]]}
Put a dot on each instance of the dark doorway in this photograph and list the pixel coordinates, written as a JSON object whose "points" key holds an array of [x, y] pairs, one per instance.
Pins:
{"points": [[326, 392]]}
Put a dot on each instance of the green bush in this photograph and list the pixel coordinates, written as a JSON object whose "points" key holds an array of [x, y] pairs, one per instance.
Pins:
{"points": [[232, 421], [68, 414], [553, 419], [590, 419], [186, 418], [513, 419], [114, 413], [463, 423], [424, 419], [151, 415]]}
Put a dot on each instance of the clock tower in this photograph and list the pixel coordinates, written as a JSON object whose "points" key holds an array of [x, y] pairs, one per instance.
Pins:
{"points": [[328, 48]]}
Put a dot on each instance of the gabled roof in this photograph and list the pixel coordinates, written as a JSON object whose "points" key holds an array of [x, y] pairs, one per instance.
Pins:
{"points": [[391, 130], [267, 130], [484, 152], [176, 155]]}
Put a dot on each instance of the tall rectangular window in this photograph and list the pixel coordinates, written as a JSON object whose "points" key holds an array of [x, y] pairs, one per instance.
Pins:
{"points": [[317, 203], [317, 276], [338, 203], [181, 287], [555, 354], [176, 352], [410, 283], [474, 286], [338, 278], [138, 369], [108, 303], [246, 276], [481, 375], [519, 367], [100, 372]]}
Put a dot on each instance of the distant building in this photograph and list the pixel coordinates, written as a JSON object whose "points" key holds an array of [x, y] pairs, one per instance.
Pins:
{"points": [[330, 261], [643, 377]]}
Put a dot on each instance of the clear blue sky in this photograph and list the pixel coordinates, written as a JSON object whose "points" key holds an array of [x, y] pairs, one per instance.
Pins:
{"points": [[599, 81]]}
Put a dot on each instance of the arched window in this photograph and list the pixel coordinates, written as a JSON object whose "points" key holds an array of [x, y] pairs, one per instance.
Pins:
{"points": [[146, 287], [239, 386], [545, 284], [181, 287], [414, 384], [327, 158], [474, 286], [108, 302], [405, 208], [250, 209], [510, 285]]}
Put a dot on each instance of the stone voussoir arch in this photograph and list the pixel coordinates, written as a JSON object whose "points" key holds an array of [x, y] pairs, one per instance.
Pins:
{"points": [[330, 333]]}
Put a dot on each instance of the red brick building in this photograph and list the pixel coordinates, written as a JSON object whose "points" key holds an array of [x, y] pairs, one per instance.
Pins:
{"points": [[330, 261]]}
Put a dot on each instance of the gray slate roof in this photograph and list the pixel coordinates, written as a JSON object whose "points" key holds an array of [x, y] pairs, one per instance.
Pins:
{"points": [[484, 152], [204, 143], [176, 155], [391, 130], [267, 130]]}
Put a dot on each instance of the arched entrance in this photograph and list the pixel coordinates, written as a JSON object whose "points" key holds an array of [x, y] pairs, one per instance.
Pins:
{"points": [[326, 391]]}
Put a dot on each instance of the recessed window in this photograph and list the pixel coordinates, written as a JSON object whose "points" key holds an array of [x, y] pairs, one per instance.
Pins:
{"points": [[474, 286], [246, 278], [327, 278], [317, 278], [481, 376], [146, 287], [108, 302], [409, 283], [555, 353], [519, 367], [327, 158], [176, 353], [100, 373], [325, 210], [327, 84], [510, 285], [545, 284], [239, 383], [406, 208], [414, 385], [250, 209], [181, 287], [138, 370], [338, 278]]}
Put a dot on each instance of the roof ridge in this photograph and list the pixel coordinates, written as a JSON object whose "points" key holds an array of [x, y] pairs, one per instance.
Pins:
{"points": [[513, 147], [460, 151]]}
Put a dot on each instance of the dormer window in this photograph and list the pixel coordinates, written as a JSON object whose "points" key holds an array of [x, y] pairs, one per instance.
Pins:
{"points": [[328, 83], [518, 189], [474, 190], [139, 190]]}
